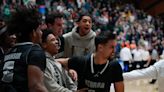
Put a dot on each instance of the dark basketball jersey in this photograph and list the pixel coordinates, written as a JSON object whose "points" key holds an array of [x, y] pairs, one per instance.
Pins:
{"points": [[97, 78], [17, 61]]}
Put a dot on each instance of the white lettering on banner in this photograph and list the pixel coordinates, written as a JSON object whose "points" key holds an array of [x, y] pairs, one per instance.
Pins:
{"points": [[12, 56], [92, 84]]}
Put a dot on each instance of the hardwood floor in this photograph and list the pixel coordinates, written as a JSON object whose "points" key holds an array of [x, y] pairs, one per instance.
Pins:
{"points": [[139, 86]]}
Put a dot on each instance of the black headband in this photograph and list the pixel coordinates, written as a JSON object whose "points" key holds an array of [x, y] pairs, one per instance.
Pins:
{"points": [[3, 30]]}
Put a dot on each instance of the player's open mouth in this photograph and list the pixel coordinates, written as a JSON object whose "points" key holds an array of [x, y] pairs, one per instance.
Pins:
{"points": [[86, 28]]}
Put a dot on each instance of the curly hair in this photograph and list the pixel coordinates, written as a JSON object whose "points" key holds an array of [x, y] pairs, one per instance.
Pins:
{"points": [[23, 22]]}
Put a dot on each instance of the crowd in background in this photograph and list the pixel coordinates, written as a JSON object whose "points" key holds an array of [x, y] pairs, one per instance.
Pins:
{"points": [[134, 28], [139, 36]]}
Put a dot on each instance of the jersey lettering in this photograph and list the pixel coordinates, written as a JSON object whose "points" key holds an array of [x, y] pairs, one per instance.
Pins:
{"points": [[92, 84], [12, 56], [8, 71], [9, 66]]}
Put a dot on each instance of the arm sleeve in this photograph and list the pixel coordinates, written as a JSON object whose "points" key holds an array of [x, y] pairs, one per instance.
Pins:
{"points": [[37, 57], [117, 77], [77, 63], [150, 72]]}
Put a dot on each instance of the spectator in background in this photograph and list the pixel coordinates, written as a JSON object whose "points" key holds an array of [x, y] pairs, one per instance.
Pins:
{"points": [[154, 55], [146, 58], [154, 59], [133, 45], [55, 22], [126, 57], [137, 58], [80, 41]]}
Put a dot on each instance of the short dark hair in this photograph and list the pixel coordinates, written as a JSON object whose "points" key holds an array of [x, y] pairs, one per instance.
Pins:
{"points": [[104, 37], [23, 22], [50, 18], [81, 16], [45, 34]]}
